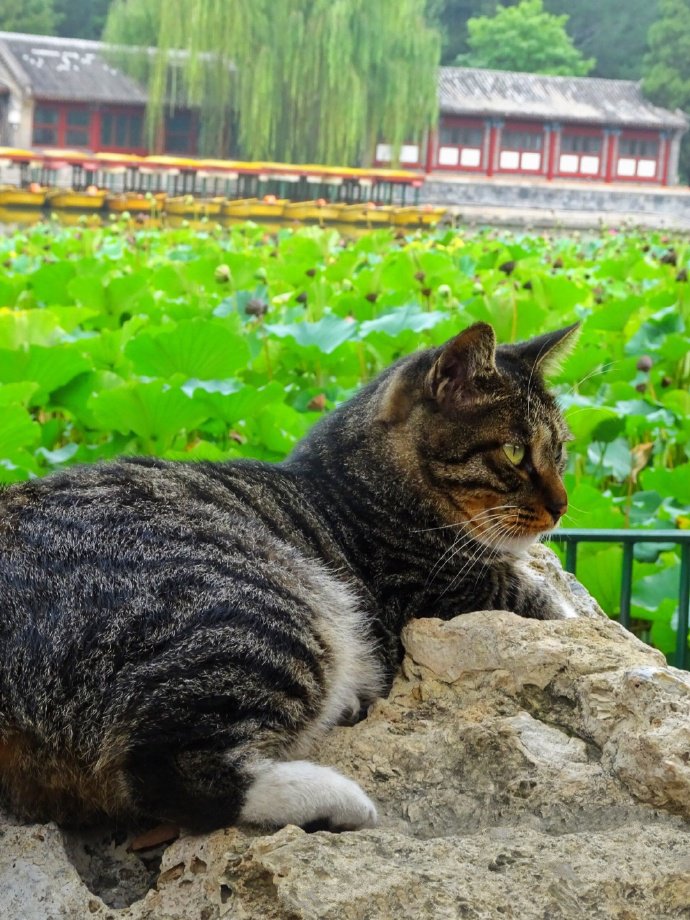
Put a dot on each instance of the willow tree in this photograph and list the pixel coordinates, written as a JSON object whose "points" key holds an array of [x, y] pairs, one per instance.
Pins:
{"points": [[306, 80]]}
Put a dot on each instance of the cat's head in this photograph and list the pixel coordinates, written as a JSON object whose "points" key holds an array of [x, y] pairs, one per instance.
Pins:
{"points": [[477, 432]]}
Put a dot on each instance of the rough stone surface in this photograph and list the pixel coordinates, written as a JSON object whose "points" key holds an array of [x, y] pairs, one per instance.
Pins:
{"points": [[522, 770]]}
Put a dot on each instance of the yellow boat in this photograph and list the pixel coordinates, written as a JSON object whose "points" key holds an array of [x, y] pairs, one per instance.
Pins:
{"points": [[255, 207], [379, 214], [136, 203], [351, 213], [430, 215], [319, 210], [188, 206], [13, 197], [68, 199], [238, 207], [406, 217], [366, 213]]}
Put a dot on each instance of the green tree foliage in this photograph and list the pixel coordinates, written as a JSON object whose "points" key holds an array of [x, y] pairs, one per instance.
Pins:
{"points": [[135, 23], [450, 17], [667, 66], [524, 38], [307, 80], [81, 18], [613, 33], [37, 16]]}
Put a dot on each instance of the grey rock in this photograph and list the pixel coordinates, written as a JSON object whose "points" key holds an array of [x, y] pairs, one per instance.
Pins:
{"points": [[522, 769]]}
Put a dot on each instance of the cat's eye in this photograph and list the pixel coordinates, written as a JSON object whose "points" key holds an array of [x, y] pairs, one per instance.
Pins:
{"points": [[515, 453]]}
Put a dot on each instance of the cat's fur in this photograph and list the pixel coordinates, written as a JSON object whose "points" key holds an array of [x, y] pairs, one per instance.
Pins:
{"points": [[174, 635]]}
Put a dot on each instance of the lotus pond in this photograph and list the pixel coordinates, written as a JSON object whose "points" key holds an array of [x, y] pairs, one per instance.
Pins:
{"points": [[215, 343]]}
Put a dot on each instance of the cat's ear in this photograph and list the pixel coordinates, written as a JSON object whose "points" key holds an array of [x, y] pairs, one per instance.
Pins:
{"points": [[545, 352], [462, 361]]}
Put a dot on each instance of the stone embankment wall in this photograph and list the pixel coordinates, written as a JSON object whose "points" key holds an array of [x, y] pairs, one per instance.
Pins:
{"points": [[557, 204]]}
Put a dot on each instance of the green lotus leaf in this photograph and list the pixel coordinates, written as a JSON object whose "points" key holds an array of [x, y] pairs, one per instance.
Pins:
{"points": [[152, 411], [48, 368], [326, 334], [202, 349]]}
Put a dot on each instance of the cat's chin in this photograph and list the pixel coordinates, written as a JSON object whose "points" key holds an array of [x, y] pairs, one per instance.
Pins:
{"points": [[511, 546]]}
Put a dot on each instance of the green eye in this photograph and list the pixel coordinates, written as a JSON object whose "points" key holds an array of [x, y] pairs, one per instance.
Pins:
{"points": [[514, 452]]}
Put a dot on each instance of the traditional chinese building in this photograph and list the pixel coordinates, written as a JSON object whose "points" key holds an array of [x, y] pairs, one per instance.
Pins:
{"points": [[65, 93], [61, 92], [495, 123]]}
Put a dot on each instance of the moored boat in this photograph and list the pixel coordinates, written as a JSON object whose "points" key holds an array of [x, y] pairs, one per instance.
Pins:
{"points": [[189, 206], [32, 197], [430, 215], [237, 207], [255, 207], [406, 217], [135, 202], [319, 210], [366, 213], [68, 199]]}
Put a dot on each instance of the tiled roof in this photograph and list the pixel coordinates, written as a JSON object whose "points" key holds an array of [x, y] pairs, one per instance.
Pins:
{"points": [[77, 70], [67, 69], [469, 91]]}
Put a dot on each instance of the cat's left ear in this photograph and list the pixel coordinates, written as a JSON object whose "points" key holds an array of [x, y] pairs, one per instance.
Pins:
{"points": [[545, 352]]}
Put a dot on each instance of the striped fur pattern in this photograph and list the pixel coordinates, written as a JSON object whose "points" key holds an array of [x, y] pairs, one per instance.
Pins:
{"points": [[174, 636]]}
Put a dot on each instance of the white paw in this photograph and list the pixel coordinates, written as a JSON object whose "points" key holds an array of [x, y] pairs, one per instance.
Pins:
{"points": [[564, 611], [300, 792], [351, 809]]}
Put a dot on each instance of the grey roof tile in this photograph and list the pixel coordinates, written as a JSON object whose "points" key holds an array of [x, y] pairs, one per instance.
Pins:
{"points": [[70, 70], [469, 91]]}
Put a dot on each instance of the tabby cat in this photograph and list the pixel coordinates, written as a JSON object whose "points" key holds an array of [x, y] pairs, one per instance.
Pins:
{"points": [[173, 636]]}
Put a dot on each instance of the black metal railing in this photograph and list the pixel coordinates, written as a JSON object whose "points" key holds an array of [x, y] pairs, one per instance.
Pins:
{"points": [[628, 539]]}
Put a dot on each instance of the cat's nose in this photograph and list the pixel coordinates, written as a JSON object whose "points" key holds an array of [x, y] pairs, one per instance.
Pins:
{"points": [[557, 508]]}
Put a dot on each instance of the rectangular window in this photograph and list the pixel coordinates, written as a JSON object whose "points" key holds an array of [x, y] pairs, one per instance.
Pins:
{"points": [[78, 123], [121, 130], [521, 140], [79, 118], [77, 137], [461, 137], [136, 130], [106, 129], [178, 132], [45, 115], [580, 143], [44, 135], [45, 125], [637, 147]]}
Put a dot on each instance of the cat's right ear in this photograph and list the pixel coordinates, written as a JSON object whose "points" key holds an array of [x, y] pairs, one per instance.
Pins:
{"points": [[462, 361]]}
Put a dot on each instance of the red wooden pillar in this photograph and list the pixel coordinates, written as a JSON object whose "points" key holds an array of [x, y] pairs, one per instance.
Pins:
{"points": [[665, 156], [553, 139], [95, 127], [431, 145], [494, 142], [610, 152]]}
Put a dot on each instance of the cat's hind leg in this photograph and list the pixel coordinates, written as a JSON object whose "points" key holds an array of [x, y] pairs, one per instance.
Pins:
{"points": [[304, 793]]}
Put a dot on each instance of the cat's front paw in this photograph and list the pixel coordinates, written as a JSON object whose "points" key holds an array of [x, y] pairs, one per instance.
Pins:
{"points": [[306, 794], [562, 610]]}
